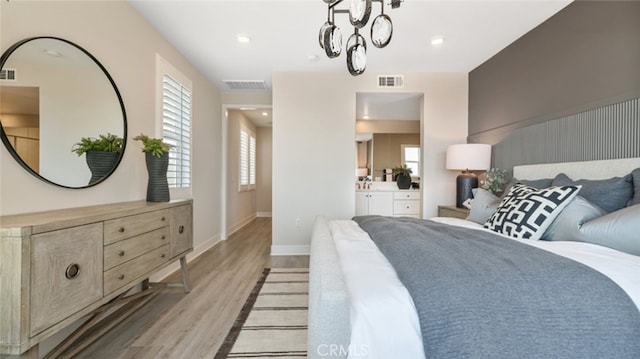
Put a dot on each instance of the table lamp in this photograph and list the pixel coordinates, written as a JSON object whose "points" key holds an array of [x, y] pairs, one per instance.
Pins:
{"points": [[466, 157]]}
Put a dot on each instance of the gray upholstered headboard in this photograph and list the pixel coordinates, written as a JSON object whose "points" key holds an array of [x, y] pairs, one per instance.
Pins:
{"points": [[579, 170]]}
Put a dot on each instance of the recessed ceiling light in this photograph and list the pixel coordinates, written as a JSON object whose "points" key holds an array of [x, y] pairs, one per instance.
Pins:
{"points": [[265, 113], [247, 108], [437, 40], [244, 38], [365, 117]]}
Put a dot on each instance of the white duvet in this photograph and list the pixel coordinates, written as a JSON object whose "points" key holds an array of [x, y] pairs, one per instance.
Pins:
{"points": [[384, 322]]}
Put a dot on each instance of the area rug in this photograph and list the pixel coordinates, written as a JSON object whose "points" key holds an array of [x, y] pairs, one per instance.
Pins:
{"points": [[273, 320]]}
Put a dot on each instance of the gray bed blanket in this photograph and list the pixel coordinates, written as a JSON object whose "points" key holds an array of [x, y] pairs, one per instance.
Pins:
{"points": [[479, 295]]}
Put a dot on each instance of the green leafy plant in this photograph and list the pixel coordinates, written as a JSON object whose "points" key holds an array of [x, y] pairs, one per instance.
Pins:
{"points": [[494, 181], [105, 143], [402, 170], [153, 145]]}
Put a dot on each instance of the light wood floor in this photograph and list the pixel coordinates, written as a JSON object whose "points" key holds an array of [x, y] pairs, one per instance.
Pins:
{"points": [[175, 325]]}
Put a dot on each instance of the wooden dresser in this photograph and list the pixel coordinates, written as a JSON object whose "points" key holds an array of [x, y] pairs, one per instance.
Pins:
{"points": [[59, 266]]}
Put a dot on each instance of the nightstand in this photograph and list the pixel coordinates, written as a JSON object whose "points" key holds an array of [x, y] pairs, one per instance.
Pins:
{"points": [[453, 211]]}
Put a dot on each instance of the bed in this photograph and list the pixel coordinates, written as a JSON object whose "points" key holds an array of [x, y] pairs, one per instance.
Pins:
{"points": [[366, 304]]}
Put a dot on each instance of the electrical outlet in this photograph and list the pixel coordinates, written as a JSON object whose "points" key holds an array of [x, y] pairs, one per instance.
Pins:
{"points": [[298, 222]]}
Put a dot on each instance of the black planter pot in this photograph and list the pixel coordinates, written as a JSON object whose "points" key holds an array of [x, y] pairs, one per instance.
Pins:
{"points": [[403, 181], [100, 164], [157, 186]]}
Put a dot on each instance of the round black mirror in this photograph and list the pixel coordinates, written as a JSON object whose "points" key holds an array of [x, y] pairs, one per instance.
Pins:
{"points": [[59, 105]]}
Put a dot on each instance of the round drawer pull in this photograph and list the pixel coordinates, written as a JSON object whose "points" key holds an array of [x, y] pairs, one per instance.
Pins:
{"points": [[121, 276], [72, 271], [163, 255], [121, 229], [408, 207], [120, 253], [163, 237], [162, 219], [180, 229]]}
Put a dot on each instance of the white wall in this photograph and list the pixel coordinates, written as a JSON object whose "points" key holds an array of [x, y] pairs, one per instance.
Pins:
{"points": [[264, 162], [126, 45], [313, 136]]}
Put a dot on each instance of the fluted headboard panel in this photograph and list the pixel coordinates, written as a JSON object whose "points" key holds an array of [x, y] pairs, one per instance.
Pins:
{"points": [[607, 132]]}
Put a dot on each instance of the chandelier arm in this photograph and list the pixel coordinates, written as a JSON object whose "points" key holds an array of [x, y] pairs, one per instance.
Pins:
{"points": [[381, 5]]}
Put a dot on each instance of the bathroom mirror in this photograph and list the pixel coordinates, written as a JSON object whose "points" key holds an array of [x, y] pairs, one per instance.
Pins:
{"points": [[387, 133], [53, 93]]}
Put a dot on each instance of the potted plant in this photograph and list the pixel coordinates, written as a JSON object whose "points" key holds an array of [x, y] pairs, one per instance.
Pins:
{"points": [[157, 160], [102, 154], [494, 181], [402, 175]]}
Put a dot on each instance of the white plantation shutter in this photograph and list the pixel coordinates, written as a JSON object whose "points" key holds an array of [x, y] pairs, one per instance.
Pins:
{"points": [[252, 160], [244, 159], [176, 130], [247, 160]]}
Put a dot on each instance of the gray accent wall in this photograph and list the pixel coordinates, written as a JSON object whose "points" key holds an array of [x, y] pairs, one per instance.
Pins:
{"points": [[584, 57], [607, 132]]}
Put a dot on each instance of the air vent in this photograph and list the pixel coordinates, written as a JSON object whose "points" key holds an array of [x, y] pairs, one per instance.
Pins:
{"points": [[396, 81], [246, 85], [8, 74]]}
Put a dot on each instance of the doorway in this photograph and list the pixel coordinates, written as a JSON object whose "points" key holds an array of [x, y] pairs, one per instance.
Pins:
{"points": [[388, 136], [247, 162]]}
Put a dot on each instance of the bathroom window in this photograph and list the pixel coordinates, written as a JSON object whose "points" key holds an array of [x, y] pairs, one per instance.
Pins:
{"points": [[411, 157], [247, 159], [176, 125]]}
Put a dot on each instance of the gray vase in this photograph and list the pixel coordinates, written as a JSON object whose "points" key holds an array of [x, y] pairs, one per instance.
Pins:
{"points": [[101, 163], [157, 186]]}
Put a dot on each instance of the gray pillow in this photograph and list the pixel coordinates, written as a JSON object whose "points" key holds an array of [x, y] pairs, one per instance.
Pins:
{"points": [[609, 194], [483, 205], [636, 187], [618, 230], [566, 227]]}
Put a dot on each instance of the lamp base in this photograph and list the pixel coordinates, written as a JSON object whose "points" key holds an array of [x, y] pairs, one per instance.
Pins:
{"points": [[465, 182]]}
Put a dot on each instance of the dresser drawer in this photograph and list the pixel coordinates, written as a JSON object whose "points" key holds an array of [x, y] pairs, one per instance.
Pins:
{"points": [[181, 230], [126, 227], [406, 195], [130, 271], [125, 250], [66, 273], [406, 207]]}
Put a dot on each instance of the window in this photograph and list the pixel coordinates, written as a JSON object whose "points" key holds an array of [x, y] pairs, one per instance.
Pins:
{"points": [[247, 159], [176, 123], [411, 157]]}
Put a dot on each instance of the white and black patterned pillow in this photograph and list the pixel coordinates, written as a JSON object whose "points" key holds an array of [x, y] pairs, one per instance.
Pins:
{"points": [[526, 212]]}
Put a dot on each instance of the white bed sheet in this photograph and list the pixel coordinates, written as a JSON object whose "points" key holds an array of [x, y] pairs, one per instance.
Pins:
{"points": [[384, 322]]}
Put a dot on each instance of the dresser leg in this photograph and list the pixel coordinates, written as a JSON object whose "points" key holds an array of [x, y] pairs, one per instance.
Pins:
{"points": [[185, 274]]}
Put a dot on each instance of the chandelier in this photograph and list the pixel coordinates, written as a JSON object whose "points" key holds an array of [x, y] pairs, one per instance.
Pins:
{"points": [[330, 36]]}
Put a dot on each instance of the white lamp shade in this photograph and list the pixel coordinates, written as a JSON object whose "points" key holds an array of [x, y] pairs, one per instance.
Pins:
{"points": [[362, 172], [469, 156]]}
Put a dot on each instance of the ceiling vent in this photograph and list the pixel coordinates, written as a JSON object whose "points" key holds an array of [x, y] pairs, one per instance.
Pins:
{"points": [[395, 81], [8, 74], [246, 85]]}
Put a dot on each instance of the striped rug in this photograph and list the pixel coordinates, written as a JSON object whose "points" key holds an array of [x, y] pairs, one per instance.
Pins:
{"points": [[273, 321]]}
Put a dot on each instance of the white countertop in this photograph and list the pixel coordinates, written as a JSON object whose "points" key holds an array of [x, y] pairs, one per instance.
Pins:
{"points": [[382, 186]]}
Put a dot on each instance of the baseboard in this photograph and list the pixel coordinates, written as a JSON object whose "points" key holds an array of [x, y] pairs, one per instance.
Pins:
{"points": [[197, 251], [236, 227], [290, 250], [264, 214]]}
